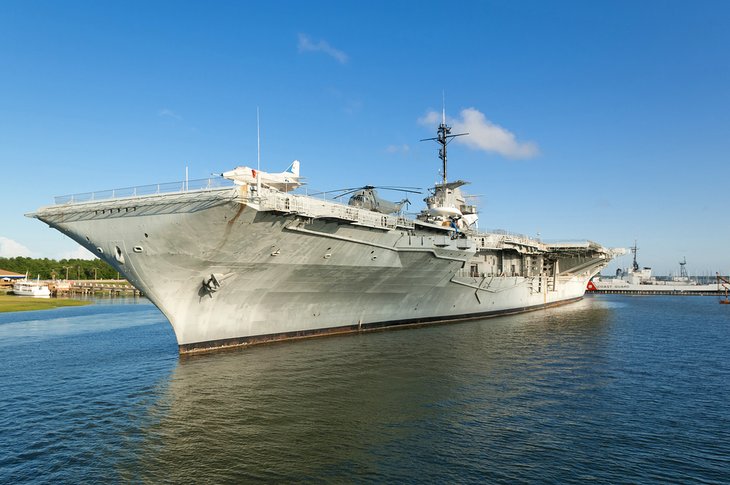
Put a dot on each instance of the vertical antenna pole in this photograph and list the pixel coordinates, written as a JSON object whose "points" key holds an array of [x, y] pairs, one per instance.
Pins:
{"points": [[186, 178], [443, 107], [443, 136], [258, 153], [443, 133]]}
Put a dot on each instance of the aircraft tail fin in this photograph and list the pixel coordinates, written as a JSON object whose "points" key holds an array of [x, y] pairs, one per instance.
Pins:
{"points": [[295, 167]]}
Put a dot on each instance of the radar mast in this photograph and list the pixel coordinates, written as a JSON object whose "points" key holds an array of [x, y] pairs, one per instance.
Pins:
{"points": [[682, 268], [443, 138], [634, 249]]}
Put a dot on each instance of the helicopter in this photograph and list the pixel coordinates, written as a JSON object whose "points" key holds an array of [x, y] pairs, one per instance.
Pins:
{"points": [[366, 197]]}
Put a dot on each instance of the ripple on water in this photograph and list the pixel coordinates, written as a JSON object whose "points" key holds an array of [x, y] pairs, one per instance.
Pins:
{"points": [[610, 389]]}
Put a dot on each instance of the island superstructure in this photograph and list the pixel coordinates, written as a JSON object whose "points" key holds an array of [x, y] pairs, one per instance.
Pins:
{"points": [[248, 258]]}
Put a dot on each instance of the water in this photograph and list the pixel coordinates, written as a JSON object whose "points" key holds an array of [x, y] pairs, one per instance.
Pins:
{"points": [[612, 389]]}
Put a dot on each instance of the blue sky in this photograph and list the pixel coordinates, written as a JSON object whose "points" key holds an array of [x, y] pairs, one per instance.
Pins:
{"points": [[601, 120]]}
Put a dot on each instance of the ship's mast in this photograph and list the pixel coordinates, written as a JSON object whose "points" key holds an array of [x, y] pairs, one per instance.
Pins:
{"points": [[443, 137], [634, 249], [682, 268], [258, 153]]}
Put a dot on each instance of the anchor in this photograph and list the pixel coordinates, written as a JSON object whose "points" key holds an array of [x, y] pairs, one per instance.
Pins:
{"points": [[211, 285]]}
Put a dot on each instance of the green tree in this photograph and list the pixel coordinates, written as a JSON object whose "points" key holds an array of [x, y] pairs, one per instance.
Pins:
{"points": [[48, 268]]}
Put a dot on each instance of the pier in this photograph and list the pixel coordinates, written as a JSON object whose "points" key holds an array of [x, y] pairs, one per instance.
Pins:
{"points": [[659, 292], [93, 287]]}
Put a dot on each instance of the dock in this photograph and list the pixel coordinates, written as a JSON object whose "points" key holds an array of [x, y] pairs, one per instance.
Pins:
{"points": [[93, 287], [658, 292]]}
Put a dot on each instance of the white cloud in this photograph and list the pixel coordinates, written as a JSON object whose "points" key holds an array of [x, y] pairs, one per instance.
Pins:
{"points": [[168, 113], [484, 135], [398, 148], [306, 45], [12, 249], [430, 118], [79, 252]]}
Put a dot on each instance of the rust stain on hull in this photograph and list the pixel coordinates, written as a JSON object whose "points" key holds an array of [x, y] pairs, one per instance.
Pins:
{"points": [[229, 226]]}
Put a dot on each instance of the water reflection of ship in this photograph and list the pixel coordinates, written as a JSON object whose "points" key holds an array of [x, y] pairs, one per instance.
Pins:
{"points": [[328, 406]]}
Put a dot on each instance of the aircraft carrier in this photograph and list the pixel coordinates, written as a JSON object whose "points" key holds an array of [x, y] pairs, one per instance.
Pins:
{"points": [[250, 257]]}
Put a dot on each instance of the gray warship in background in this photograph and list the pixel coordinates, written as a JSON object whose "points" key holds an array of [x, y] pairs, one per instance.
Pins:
{"points": [[250, 257], [638, 280]]}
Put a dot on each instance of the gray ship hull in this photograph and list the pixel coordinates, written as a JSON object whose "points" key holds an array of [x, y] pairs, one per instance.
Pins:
{"points": [[619, 286], [228, 268]]}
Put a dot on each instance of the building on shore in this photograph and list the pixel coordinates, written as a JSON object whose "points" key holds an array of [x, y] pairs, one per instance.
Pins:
{"points": [[8, 277]]}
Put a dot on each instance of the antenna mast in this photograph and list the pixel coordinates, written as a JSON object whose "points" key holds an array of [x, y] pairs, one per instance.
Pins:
{"points": [[634, 249], [258, 153], [443, 138], [682, 269]]}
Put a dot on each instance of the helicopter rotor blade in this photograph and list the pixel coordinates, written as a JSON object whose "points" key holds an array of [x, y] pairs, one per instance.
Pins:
{"points": [[410, 190], [351, 191], [333, 191], [398, 187], [336, 191]]}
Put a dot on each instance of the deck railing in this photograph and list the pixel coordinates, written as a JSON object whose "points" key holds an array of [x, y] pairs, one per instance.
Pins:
{"points": [[303, 200], [164, 188], [314, 206]]}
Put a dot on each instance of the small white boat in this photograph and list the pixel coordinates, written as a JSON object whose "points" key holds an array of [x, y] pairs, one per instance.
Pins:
{"points": [[31, 288]]}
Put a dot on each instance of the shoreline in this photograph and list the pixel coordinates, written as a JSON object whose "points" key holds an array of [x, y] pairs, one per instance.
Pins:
{"points": [[13, 303]]}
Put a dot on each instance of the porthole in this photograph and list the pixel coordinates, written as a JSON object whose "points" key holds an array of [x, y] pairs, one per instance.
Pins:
{"points": [[137, 249], [100, 250], [118, 255], [146, 235]]}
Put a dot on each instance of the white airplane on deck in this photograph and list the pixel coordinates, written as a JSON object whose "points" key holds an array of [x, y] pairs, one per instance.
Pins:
{"points": [[285, 181]]}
